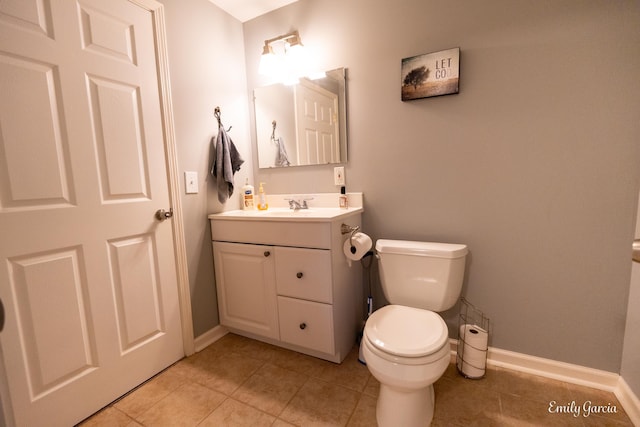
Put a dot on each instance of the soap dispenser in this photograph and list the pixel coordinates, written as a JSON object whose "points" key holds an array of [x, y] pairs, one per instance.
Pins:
{"points": [[262, 198]]}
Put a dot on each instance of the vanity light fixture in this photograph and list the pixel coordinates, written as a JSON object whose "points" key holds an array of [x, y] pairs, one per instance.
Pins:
{"points": [[289, 62]]}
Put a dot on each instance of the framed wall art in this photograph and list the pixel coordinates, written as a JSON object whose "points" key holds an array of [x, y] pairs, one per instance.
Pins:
{"points": [[431, 74]]}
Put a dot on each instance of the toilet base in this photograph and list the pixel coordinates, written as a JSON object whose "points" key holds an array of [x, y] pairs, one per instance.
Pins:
{"points": [[405, 408]]}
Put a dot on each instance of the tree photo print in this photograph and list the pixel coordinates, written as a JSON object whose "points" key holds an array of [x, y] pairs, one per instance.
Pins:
{"points": [[432, 74]]}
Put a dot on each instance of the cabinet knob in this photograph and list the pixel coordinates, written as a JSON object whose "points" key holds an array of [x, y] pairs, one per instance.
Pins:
{"points": [[303, 325], [299, 275], [267, 253]]}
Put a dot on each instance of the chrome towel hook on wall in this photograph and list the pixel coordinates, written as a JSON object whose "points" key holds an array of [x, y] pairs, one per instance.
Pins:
{"points": [[218, 116]]}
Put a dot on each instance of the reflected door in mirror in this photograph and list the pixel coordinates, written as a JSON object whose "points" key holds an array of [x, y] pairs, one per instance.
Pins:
{"points": [[317, 124]]}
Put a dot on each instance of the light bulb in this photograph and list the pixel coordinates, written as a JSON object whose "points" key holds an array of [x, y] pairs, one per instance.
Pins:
{"points": [[268, 61]]}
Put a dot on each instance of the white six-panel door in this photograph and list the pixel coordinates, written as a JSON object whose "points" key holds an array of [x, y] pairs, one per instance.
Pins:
{"points": [[87, 274]]}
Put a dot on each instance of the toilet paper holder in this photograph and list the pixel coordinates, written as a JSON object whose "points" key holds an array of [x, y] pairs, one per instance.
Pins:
{"points": [[349, 229], [473, 340]]}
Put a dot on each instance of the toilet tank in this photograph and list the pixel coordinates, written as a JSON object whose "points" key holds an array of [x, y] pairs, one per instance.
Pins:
{"points": [[421, 274]]}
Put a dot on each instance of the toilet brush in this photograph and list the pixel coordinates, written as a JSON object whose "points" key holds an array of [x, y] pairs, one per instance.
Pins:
{"points": [[367, 267]]}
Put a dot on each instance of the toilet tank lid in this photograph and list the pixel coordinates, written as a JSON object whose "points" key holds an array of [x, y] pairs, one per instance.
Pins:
{"points": [[433, 249]]}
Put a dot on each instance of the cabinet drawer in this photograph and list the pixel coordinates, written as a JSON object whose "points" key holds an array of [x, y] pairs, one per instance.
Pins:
{"points": [[304, 273], [307, 324]]}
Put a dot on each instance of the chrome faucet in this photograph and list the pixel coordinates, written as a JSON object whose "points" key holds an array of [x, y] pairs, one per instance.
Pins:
{"points": [[297, 204], [294, 204]]}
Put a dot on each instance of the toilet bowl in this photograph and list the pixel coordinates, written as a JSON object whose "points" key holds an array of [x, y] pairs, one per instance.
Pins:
{"points": [[406, 349]]}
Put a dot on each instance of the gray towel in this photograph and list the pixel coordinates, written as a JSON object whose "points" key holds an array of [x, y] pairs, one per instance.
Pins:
{"points": [[226, 163], [282, 159]]}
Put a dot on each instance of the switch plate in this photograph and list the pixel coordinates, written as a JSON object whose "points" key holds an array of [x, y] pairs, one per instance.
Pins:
{"points": [[191, 182], [338, 175]]}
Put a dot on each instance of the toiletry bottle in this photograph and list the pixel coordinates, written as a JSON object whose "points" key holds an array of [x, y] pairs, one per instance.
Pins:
{"points": [[262, 198], [247, 197], [343, 200]]}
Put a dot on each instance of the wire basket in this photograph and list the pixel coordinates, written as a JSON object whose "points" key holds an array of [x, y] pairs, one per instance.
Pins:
{"points": [[473, 339]]}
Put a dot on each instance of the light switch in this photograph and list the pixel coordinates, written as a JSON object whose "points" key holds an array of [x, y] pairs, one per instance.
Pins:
{"points": [[191, 182], [338, 175]]}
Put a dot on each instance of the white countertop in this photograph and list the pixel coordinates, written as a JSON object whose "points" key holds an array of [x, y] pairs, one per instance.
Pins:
{"points": [[322, 207], [286, 214]]}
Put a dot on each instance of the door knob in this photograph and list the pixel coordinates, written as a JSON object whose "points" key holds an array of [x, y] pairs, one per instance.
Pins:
{"points": [[161, 214], [635, 250]]}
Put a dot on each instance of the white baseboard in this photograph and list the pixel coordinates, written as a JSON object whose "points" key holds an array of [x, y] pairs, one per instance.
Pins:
{"points": [[209, 337], [629, 401], [567, 372]]}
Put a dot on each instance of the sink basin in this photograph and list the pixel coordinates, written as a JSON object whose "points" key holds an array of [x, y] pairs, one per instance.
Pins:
{"points": [[288, 212]]}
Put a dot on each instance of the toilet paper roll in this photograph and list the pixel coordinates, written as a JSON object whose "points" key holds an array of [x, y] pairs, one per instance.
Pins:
{"points": [[355, 248], [470, 371], [474, 336], [472, 359]]}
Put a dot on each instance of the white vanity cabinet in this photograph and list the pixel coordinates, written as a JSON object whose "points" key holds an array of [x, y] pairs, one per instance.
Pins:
{"points": [[285, 280]]}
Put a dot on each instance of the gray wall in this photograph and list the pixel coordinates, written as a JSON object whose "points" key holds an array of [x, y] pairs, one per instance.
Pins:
{"points": [[206, 56], [534, 164]]}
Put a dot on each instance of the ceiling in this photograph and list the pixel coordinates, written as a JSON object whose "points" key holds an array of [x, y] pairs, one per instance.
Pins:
{"points": [[244, 10]]}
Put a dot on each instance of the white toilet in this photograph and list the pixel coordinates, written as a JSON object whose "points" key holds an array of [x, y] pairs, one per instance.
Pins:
{"points": [[406, 344]]}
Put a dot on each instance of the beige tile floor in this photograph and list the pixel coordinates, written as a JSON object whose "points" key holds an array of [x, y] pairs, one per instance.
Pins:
{"points": [[242, 382]]}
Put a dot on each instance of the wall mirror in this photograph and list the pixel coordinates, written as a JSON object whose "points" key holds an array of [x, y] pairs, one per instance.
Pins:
{"points": [[302, 124]]}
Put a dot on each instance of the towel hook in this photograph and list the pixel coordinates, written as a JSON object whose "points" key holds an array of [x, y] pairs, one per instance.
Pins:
{"points": [[273, 132], [216, 113]]}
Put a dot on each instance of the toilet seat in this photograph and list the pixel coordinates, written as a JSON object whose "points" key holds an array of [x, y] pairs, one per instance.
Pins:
{"points": [[396, 331]]}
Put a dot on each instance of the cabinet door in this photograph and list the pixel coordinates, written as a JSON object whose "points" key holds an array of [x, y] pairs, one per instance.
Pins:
{"points": [[245, 282]]}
